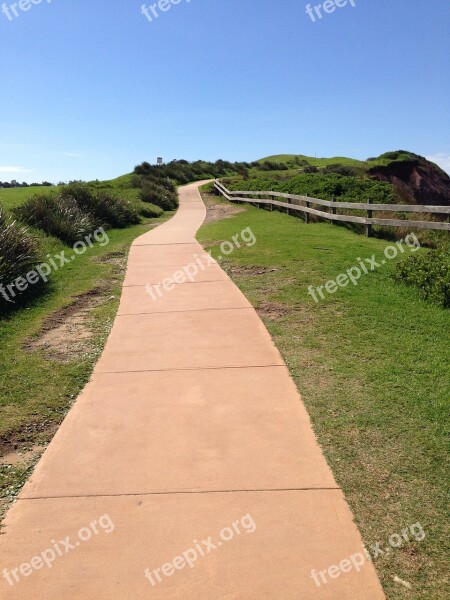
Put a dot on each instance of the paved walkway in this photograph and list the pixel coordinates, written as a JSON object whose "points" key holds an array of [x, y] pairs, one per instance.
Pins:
{"points": [[189, 454]]}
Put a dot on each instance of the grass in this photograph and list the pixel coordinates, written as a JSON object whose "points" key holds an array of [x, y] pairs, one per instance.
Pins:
{"points": [[371, 362], [12, 197], [36, 392], [313, 161]]}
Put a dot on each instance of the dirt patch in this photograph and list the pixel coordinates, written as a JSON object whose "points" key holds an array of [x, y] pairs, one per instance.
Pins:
{"points": [[118, 261], [35, 434], [273, 310], [22, 457], [67, 333], [216, 210], [212, 244], [221, 211], [112, 258], [249, 270]]}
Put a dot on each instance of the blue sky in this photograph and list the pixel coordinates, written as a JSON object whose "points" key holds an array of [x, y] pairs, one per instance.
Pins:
{"points": [[92, 87]]}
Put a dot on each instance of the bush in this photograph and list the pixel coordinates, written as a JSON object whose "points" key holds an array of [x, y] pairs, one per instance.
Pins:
{"points": [[150, 211], [163, 182], [344, 170], [323, 185], [19, 254], [429, 273], [155, 194], [106, 207], [182, 171], [57, 215]]}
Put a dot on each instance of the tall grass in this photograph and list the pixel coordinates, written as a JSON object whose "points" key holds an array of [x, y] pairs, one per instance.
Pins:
{"points": [[19, 254], [106, 207], [56, 215], [154, 193]]}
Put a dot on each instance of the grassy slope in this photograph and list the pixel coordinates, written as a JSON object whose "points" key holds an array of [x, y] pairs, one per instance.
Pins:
{"points": [[371, 364], [35, 392], [316, 162]]}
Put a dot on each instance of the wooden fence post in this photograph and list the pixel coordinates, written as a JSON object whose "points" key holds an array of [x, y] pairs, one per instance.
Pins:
{"points": [[307, 214], [333, 208], [368, 226]]}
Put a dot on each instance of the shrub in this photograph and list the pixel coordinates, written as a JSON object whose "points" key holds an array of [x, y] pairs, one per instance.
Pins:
{"points": [[182, 171], [429, 273], [155, 194], [106, 207], [163, 182], [56, 215], [339, 169], [19, 254], [150, 211], [322, 185]]}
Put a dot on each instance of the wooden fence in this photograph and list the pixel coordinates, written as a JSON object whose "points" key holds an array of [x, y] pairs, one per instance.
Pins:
{"points": [[302, 204]]}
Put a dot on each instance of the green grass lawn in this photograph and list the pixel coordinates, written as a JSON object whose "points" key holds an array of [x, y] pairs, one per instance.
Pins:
{"points": [[371, 362], [36, 390], [12, 197]]}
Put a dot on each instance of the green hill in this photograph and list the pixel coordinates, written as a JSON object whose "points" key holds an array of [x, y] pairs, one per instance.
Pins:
{"points": [[296, 159]]}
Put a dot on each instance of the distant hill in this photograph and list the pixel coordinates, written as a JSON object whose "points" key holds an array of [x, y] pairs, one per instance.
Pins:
{"points": [[295, 159], [415, 179]]}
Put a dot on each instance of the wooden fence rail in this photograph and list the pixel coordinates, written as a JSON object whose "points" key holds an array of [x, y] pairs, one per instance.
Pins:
{"points": [[292, 204]]}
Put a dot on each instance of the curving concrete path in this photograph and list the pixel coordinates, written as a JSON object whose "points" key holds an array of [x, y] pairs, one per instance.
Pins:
{"points": [[189, 454]]}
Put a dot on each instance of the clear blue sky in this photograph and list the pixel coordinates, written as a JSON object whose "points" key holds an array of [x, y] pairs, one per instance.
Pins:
{"points": [[91, 87]]}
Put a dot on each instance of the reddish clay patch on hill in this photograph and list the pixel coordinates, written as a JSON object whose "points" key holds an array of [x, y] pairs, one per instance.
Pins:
{"points": [[417, 181]]}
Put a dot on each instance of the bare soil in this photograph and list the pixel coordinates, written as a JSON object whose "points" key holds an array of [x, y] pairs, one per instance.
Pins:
{"points": [[217, 210], [273, 310], [249, 270], [22, 457], [67, 333]]}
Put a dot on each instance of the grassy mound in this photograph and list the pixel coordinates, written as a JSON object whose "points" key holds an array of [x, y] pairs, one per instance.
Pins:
{"points": [[56, 215], [150, 211], [106, 207]]}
